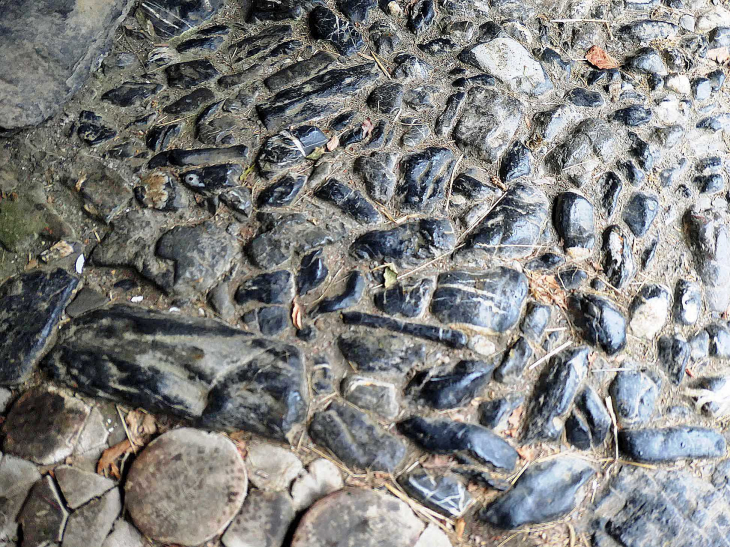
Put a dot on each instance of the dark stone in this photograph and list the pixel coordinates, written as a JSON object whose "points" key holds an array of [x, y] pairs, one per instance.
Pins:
{"points": [[31, 306], [387, 98], [633, 116], [425, 177], [380, 353], [493, 413], [701, 89], [649, 310], [719, 341], [204, 43], [446, 121], [160, 137], [640, 212], [422, 15], [438, 46], [356, 439], [280, 152], [191, 102], [131, 93], [86, 300], [349, 201], [44, 516], [406, 299], [351, 295], [449, 337], [709, 184], [545, 262], [325, 25], [671, 444], [92, 130], [599, 322], [229, 81], [442, 436], [312, 272], [265, 10], [190, 367], [171, 18], [545, 492], [633, 174], [267, 288], [634, 396], [50, 48], [260, 43], [708, 236], [300, 70], [377, 170], [272, 319], [445, 494], [514, 361], [410, 243], [573, 220], [420, 98], [448, 387], [238, 199], [649, 252], [281, 193], [190, 74], [589, 423], [591, 144], [618, 261], [673, 353], [554, 393], [491, 301], [585, 98], [375, 396], [513, 226], [687, 302], [535, 321], [471, 187], [343, 120], [356, 10], [571, 278], [318, 97], [199, 156], [213, 179], [516, 163]]}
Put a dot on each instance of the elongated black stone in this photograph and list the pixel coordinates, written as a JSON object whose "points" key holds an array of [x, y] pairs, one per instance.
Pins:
{"points": [[450, 337]]}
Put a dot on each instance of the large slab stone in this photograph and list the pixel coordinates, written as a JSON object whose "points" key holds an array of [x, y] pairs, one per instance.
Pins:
{"points": [[191, 367], [49, 48], [31, 306]]}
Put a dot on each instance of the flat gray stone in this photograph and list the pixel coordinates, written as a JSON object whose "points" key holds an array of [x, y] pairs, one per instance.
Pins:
{"points": [[43, 516], [49, 48], [31, 305], [321, 478], [124, 535], [16, 479], [263, 520], [272, 467], [89, 526], [186, 487], [355, 517], [44, 426], [79, 486]]}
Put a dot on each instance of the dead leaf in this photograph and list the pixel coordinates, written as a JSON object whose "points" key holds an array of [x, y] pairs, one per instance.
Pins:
{"points": [[141, 426], [333, 143], [390, 275], [107, 465], [367, 126], [600, 59], [547, 290], [296, 315]]}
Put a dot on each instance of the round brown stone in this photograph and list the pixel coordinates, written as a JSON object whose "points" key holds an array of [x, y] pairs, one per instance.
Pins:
{"points": [[186, 486], [355, 517]]}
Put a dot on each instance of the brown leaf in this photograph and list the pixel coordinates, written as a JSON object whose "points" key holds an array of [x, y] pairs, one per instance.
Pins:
{"points": [[367, 126], [600, 59], [333, 143], [107, 465], [141, 427]]}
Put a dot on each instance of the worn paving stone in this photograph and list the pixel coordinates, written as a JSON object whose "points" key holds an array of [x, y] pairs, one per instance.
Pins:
{"points": [[43, 517], [264, 519], [271, 467], [321, 478], [186, 486], [17, 476], [78, 486], [89, 525]]}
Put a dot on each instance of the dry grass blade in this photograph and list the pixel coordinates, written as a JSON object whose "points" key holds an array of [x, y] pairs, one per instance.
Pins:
{"points": [[612, 414], [549, 355]]}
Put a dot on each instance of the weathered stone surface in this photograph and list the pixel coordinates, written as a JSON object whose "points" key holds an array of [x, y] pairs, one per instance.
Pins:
{"points": [[488, 122], [43, 517], [375, 396], [708, 236], [450, 386], [406, 299], [410, 243], [78, 486], [131, 93], [618, 259], [271, 467], [186, 486], [449, 337], [640, 212], [649, 310], [671, 444], [269, 288], [377, 172], [509, 61], [380, 353], [352, 292], [31, 305], [190, 367], [634, 396], [124, 534], [425, 177], [573, 218], [513, 226], [545, 492], [445, 493], [171, 18], [356, 439], [591, 145], [356, 517], [44, 426], [348, 200], [17, 476], [443, 436], [321, 478], [264, 519], [50, 48], [554, 393], [589, 423], [490, 301], [326, 25], [89, 525]]}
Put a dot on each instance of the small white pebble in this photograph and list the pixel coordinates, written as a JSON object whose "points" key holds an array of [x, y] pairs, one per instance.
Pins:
{"points": [[136, 299], [80, 261], [174, 309]]}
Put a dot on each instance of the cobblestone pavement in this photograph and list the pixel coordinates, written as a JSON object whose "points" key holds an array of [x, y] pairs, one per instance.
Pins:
{"points": [[420, 273]]}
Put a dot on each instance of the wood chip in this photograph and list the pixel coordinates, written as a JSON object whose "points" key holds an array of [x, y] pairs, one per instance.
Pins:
{"points": [[107, 465], [600, 59]]}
